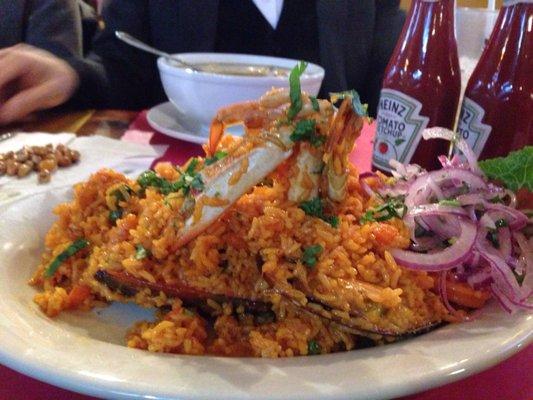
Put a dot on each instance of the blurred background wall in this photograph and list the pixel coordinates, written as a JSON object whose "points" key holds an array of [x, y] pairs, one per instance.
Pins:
{"points": [[461, 3]]}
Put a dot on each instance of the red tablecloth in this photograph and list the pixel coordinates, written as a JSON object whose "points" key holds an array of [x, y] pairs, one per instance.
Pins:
{"points": [[510, 380]]}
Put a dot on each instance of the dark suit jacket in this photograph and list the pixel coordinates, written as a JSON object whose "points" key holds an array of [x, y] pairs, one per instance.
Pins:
{"points": [[356, 38], [53, 25]]}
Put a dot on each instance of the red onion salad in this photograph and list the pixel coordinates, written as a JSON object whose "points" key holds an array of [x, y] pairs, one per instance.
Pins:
{"points": [[464, 226]]}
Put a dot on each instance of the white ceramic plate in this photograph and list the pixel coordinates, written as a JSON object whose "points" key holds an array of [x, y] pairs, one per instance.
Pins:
{"points": [[84, 352], [165, 118]]}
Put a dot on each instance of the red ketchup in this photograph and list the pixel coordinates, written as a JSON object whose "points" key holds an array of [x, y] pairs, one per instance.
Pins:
{"points": [[497, 112], [420, 89]]}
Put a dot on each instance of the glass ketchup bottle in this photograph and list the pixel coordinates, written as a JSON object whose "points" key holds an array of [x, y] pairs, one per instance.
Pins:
{"points": [[497, 112], [421, 87]]}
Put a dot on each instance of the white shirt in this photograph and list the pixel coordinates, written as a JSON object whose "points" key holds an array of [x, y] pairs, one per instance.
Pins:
{"points": [[271, 10]]}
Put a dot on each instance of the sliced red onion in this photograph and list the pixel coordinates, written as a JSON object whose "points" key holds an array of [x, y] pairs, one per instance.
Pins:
{"points": [[479, 278], [444, 294], [502, 299], [435, 188], [506, 246], [435, 209], [526, 249], [487, 222], [444, 259], [471, 210], [470, 199], [362, 177], [509, 303], [518, 219], [445, 226], [501, 272], [420, 191], [459, 142]]}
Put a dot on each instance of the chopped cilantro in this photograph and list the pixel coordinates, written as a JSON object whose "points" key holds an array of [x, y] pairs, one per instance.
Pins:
{"points": [[190, 179], [393, 208], [187, 180], [140, 252], [305, 130], [501, 223], [313, 348], [219, 155], [358, 107], [333, 220], [72, 249], [314, 103], [315, 208], [115, 215], [121, 193], [450, 202], [150, 179], [515, 171], [309, 257], [295, 90], [191, 167]]}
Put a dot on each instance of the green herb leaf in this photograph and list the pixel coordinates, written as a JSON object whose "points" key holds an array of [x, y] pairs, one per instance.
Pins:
{"points": [[309, 257], [313, 348], [140, 252], [72, 249], [360, 108], [305, 130], [295, 90], [191, 167], [515, 171], [314, 103], [115, 215], [333, 220], [501, 223], [187, 180], [450, 202], [122, 193], [219, 155], [393, 208], [150, 179], [315, 208]]}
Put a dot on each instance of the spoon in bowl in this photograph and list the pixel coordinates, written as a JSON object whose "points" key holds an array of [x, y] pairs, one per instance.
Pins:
{"points": [[132, 41]]}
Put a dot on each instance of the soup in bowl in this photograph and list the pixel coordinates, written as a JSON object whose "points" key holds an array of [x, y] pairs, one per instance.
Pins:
{"points": [[223, 79]]}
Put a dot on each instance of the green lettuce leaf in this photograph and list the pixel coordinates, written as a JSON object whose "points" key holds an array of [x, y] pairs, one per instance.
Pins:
{"points": [[515, 171]]}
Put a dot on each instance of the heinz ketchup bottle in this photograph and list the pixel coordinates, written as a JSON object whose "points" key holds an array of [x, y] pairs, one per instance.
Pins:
{"points": [[497, 112], [420, 89]]}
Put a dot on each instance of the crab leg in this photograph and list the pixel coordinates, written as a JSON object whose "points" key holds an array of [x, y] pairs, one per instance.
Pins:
{"points": [[226, 181]]}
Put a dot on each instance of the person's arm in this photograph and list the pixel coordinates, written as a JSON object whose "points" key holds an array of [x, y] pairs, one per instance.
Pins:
{"points": [[389, 21], [54, 26], [116, 75]]}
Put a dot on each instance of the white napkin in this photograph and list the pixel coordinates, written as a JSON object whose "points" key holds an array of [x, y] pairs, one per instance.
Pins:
{"points": [[96, 152]]}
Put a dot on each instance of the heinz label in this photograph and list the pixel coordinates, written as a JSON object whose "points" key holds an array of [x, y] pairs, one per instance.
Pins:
{"points": [[471, 127], [399, 128]]}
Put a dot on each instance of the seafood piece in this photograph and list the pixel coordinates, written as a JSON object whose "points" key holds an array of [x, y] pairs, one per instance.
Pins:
{"points": [[222, 189], [227, 180], [128, 286], [345, 129]]}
